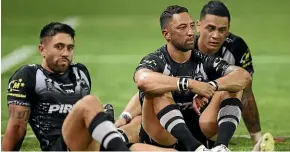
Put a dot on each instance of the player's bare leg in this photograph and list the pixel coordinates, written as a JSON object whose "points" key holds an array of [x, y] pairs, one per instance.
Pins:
{"points": [[250, 114], [208, 118], [251, 119], [169, 123], [132, 129], [221, 117], [145, 147], [87, 123], [150, 122]]}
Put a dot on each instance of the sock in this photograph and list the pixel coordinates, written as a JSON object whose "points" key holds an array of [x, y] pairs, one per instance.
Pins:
{"points": [[256, 136], [123, 135], [172, 120], [104, 131], [228, 119]]}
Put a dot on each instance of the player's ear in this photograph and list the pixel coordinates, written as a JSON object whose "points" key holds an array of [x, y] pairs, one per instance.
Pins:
{"points": [[198, 23], [228, 30], [166, 34], [41, 50]]}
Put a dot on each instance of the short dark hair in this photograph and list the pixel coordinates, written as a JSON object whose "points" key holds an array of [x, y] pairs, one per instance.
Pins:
{"points": [[217, 8], [169, 12], [54, 28]]}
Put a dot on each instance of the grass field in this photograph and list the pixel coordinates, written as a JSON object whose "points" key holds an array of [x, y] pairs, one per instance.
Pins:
{"points": [[112, 37]]}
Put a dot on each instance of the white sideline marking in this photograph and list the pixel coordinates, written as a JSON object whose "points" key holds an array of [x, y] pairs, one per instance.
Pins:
{"points": [[24, 52], [16, 56]]}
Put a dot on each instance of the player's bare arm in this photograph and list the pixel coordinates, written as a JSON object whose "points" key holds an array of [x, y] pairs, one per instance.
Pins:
{"points": [[154, 83], [16, 127], [157, 84], [250, 112], [132, 110], [134, 107], [235, 79]]}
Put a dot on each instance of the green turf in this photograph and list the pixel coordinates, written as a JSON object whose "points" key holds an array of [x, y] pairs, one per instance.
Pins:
{"points": [[113, 28]]}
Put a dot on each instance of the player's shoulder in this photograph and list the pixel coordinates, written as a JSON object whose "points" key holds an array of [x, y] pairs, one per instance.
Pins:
{"points": [[158, 54], [160, 51], [161, 54], [79, 66], [27, 69], [205, 59], [26, 72], [234, 39]]}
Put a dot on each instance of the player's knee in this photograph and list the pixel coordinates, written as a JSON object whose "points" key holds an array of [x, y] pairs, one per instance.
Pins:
{"points": [[137, 119], [227, 95], [136, 147], [91, 98], [88, 102], [161, 102], [208, 127]]}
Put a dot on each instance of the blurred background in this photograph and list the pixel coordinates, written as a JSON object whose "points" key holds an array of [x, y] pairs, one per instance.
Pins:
{"points": [[112, 36]]}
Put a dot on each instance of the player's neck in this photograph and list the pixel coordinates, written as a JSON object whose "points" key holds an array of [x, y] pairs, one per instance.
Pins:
{"points": [[177, 55], [203, 49], [46, 67]]}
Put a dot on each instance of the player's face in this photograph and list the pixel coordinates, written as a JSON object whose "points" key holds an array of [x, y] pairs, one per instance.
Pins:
{"points": [[213, 30], [58, 52], [180, 31]]}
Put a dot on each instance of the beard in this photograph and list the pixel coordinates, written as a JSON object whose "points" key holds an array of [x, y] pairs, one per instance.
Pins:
{"points": [[59, 66], [183, 47]]}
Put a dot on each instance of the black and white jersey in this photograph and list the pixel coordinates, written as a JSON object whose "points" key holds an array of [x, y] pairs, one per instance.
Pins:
{"points": [[199, 67], [235, 51], [50, 97]]}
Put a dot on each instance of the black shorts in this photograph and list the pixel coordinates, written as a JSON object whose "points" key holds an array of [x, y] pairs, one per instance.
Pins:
{"points": [[192, 122], [58, 145], [144, 138]]}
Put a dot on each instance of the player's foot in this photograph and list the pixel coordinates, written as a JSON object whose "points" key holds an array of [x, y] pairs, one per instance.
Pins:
{"points": [[266, 143], [220, 148], [202, 148], [109, 109]]}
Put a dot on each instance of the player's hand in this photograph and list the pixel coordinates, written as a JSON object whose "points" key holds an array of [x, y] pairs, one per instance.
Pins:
{"points": [[201, 88], [120, 122], [198, 103]]}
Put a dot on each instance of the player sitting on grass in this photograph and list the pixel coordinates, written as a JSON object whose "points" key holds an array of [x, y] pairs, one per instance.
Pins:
{"points": [[54, 98]]}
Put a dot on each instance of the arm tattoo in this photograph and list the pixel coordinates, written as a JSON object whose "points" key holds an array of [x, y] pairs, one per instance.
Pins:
{"points": [[230, 69], [22, 114], [250, 111]]}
